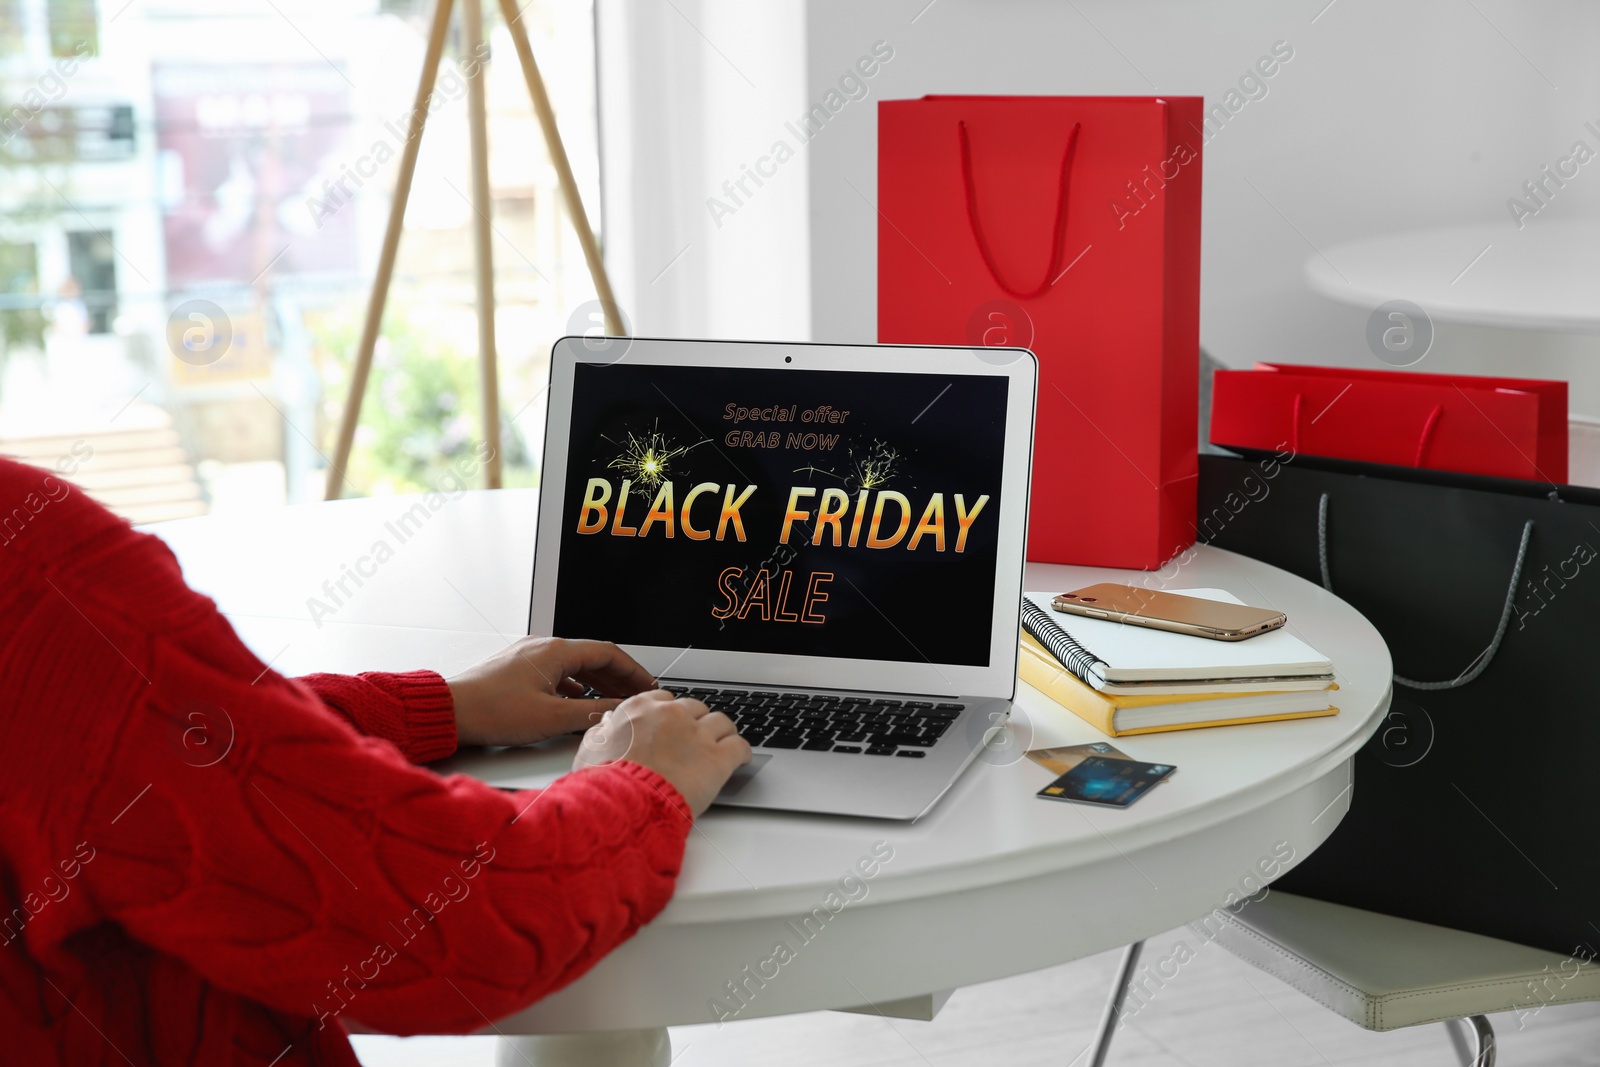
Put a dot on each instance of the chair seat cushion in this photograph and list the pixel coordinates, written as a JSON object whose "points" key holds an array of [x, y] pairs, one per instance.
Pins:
{"points": [[1383, 973]]}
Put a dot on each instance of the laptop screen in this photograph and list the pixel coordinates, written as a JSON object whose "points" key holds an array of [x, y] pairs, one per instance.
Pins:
{"points": [[796, 512]]}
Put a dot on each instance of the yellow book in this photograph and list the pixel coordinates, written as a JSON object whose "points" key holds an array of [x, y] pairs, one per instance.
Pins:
{"points": [[1118, 716]]}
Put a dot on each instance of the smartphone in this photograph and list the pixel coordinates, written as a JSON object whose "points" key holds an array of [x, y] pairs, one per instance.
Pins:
{"points": [[1169, 611]]}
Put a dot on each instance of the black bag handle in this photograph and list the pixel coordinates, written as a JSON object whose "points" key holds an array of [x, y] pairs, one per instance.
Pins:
{"points": [[1481, 662]]}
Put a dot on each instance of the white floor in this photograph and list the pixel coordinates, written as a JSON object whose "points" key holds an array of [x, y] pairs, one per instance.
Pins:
{"points": [[1217, 1012]]}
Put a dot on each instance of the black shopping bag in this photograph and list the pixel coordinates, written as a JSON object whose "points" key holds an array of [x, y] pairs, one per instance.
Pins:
{"points": [[1472, 807]]}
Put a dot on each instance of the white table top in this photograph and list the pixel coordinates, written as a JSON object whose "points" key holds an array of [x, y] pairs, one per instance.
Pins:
{"points": [[1545, 276], [992, 882]]}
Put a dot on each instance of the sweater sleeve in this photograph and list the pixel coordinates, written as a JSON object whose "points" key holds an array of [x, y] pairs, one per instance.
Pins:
{"points": [[413, 711], [243, 828]]}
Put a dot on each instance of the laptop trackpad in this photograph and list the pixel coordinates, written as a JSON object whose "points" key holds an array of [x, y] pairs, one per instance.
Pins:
{"points": [[743, 775]]}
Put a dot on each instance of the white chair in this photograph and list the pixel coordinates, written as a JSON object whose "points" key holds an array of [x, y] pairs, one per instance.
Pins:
{"points": [[1384, 973]]}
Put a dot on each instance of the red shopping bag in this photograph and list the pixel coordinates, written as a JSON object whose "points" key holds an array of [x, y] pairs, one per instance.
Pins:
{"points": [[1071, 226], [1501, 427]]}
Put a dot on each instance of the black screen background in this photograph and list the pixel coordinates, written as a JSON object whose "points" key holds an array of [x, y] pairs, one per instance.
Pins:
{"points": [[884, 604]]}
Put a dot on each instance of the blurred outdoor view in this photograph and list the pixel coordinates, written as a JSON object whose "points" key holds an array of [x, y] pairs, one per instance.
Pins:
{"points": [[162, 160]]}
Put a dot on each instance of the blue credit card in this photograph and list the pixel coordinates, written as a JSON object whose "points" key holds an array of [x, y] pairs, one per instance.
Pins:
{"points": [[1112, 782]]}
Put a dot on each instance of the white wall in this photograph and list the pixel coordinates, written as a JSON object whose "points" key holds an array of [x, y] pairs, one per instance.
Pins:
{"points": [[1389, 117], [693, 93]]}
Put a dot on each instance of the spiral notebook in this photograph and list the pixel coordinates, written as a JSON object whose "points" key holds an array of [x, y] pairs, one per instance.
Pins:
{"points": [[1115, 657]]}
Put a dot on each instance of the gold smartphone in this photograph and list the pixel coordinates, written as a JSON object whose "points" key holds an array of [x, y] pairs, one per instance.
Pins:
{"points": [[1169, 611]]}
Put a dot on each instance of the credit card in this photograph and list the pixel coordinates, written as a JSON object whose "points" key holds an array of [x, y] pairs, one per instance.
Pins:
{"points": [[1110, 782], [1063, 758]]}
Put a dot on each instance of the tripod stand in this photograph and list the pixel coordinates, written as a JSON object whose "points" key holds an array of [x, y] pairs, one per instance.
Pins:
{"points": [[483, 267]]}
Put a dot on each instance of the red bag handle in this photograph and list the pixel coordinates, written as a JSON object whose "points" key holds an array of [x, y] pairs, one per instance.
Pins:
{"points": [[1423, 440], [1427, 432], [1058, 239]]}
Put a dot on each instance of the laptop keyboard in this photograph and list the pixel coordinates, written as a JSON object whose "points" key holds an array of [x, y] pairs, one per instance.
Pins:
{"points": [[814, 722]]}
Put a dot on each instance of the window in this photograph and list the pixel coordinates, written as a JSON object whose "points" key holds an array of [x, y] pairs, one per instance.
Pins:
{"points": [[90, 259], [74, 28], [21, 324], [192, 200]]}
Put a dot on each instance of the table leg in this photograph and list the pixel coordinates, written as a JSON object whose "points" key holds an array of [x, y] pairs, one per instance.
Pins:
{"points": [[603, 1048], [1113, 1013]]}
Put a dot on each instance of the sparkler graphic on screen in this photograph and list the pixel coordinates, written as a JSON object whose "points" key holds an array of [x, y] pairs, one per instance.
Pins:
{"points": [[646, 459], [875, 468]]}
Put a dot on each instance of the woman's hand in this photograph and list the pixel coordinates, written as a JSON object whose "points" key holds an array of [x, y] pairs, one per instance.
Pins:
{"points": [[677, 737], [532, 690]]}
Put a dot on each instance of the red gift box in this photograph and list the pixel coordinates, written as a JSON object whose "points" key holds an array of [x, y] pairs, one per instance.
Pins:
{"points": [[1071, 226], [1501, 427]]}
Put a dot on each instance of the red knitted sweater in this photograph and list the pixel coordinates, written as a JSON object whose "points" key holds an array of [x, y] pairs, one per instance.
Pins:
{"points": [[202, 862]]}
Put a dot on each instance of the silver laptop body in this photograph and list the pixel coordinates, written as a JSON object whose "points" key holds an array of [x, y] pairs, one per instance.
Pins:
{"points": [[825, 542]]}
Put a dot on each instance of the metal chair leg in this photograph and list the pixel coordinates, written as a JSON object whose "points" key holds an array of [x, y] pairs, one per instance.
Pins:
{"points": [[1478, 1049], [1457, 1029], [1113, 1013], [1485, 1035]]}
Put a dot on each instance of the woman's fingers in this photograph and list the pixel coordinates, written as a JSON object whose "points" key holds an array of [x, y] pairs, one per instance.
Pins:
{"points": [[604, 666], [718, 725]]}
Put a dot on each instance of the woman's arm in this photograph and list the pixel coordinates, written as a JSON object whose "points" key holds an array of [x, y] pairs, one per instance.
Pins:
{"points": [[413, 711], [239, 826], [316, 871], [529, 691]]}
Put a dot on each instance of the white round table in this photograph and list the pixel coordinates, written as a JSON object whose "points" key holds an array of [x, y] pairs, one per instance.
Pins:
{"points": [[993, 882], [1545, 276]]}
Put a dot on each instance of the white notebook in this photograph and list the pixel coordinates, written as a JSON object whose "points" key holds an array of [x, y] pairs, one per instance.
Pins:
{"points": [[1120, 654]]}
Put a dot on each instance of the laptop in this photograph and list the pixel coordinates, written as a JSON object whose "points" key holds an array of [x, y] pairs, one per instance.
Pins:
{"points": [[824, 542]]}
